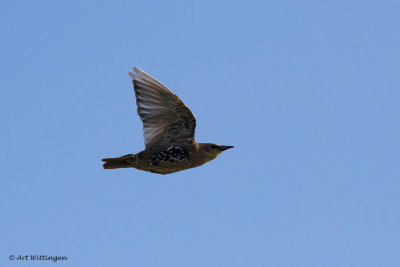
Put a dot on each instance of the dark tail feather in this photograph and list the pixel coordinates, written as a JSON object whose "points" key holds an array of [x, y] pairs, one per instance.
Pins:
{"points": [[121, 162]]}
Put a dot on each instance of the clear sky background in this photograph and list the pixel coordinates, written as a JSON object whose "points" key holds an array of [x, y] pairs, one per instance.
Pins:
{"points": [[308, 92]]}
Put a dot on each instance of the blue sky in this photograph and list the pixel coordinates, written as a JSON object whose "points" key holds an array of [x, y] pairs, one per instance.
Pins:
{"points": [[306, 91]]}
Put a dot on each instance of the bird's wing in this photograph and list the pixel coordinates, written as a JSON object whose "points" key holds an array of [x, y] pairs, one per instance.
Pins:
{"points": [[165, 117]]}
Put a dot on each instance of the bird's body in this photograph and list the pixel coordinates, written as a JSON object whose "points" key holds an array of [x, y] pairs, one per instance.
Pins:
{"points": [[169, 128], [163, 159]]}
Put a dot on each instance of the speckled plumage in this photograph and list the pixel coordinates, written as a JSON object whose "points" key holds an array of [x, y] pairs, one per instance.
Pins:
{"points": [[169, 127], [170, 156]]}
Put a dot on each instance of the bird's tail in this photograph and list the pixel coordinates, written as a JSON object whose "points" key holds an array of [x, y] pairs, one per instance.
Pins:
{"points": [[120, 162]]}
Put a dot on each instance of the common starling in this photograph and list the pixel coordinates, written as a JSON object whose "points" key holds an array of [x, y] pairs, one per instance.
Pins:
{"points": [[169, 127]]}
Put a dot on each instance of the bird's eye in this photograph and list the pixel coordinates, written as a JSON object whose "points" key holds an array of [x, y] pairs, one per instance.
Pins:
{"points": [[214, 146]]}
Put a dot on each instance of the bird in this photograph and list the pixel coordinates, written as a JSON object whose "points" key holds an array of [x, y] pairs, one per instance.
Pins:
{"points": [[169, 129]]}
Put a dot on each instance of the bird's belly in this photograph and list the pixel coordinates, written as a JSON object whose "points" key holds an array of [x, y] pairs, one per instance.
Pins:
{"points": [[172, 164], [172, 159], [163, 167]]}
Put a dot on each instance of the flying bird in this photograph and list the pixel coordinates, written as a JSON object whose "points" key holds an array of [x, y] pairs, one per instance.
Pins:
{"points": [[168, 126]]}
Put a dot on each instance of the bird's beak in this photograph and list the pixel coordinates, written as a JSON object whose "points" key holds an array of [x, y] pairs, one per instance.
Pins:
{"points": [[223, 148]]}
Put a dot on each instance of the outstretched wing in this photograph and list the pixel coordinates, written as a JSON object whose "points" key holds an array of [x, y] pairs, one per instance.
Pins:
{"points": [[166, 119]]}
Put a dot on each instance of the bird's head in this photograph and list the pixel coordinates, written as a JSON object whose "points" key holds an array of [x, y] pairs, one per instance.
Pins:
{"points": [[211, 151]]}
